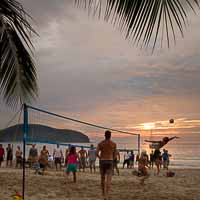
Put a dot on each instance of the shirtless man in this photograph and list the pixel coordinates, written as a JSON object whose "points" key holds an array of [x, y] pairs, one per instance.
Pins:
{"points": [[106, 152], [33, 155], [83, 157], [18, 155], [159, 144], [142, 167]]}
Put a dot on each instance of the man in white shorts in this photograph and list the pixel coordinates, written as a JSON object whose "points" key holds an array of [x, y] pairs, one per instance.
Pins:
{"points": [[92, 157], [58, 156]]}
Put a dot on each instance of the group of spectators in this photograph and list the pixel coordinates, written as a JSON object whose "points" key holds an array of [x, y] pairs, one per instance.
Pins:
{"points": [[8, 155], [42, 161], [160, 160], [86, 158], [129, 158]]}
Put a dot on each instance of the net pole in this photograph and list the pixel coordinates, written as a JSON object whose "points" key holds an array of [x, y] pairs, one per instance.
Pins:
{"points": [[25, 130], [139, 144]]}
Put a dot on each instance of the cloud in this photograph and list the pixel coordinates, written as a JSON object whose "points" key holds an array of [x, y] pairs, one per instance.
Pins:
{"points": [[86, 69]]}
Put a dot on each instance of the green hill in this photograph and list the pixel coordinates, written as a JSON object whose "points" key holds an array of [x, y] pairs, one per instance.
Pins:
{"points": [[44, 133]]}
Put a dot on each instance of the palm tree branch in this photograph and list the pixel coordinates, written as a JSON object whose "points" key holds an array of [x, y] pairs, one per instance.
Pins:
{"points": [[143, 19], [18, 73], [17, 69]]}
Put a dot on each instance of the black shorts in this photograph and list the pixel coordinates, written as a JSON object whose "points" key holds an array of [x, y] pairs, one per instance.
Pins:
{"points": [[57, 160], [19, 159], [106, 167], [42, 166], [9, 157], [1, 159]]}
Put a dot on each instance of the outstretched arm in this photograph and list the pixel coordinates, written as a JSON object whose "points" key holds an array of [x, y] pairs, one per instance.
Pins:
{"points": [[152, 141], [175, 137]]}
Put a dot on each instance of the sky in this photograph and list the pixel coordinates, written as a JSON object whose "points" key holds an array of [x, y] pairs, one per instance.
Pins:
{"points": [[87, 70]]}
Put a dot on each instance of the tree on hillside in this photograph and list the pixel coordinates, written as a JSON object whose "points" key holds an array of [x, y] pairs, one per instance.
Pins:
{"points": [[141, 20]]}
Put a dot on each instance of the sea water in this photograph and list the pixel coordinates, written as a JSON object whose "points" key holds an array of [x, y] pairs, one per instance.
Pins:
{"points": [[185, 152]]}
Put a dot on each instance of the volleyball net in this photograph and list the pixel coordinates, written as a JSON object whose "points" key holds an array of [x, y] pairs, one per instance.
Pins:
{"points": [[45, 127]]}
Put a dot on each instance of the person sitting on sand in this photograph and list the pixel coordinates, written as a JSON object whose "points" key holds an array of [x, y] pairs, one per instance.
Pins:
{"points": [[2, 154], [72, 163], [83, 158], [142, 167], [159, 144], [92, 158], [106, 151]]}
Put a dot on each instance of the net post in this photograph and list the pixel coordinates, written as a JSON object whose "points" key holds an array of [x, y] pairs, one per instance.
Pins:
{"points": [[25, 132], [139, 144]]}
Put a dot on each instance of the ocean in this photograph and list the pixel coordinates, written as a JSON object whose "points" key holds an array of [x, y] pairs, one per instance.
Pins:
{"points": [[185, 152]]}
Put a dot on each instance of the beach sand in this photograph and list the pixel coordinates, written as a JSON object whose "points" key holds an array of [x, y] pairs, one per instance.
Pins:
{"points": [[184, 186]]}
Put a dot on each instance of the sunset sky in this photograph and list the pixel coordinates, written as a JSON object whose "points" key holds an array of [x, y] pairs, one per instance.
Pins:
{"points": [[87, 70]]}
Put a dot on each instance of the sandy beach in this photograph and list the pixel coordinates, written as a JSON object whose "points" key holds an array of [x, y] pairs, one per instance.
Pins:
{"points": [[184, 186]]}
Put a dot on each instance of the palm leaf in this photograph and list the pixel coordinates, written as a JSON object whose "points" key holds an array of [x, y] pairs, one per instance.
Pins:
{"points": [[144, 20], [17, 69]]}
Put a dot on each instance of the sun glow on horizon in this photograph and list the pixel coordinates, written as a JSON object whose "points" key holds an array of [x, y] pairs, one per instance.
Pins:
{"points": [[148, 126]]}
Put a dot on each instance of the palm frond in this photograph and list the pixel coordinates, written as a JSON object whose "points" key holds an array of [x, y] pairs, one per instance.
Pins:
{"points": [[17, 69], [144, 20], [18, 74]]}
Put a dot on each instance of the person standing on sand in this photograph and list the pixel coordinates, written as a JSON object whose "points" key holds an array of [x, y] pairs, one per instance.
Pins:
{"points": [[151, 159], [165, 158], [33, 155], [116, 161], [126, 159], [132, 159], [156, 158], [106, 152], [58, 156], [83, 158], [2, 154], [18, 155], [92, 158], [72, 163], [9, 157]]}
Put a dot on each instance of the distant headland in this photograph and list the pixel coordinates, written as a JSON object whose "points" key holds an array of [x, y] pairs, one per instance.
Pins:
{"points": [[43, 133]]}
